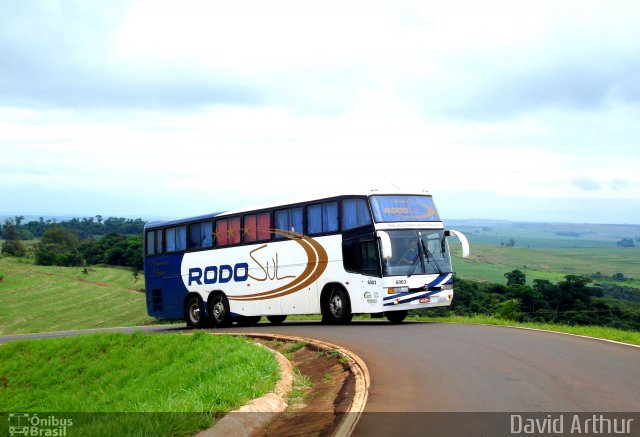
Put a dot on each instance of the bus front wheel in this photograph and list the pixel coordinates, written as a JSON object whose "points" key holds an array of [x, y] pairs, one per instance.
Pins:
{"points": [[396, 317], [194, 312], [220, 313], [276, 320], [337, 309]]}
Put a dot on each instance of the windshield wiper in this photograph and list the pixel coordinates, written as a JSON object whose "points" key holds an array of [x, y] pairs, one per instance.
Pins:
{"points": [[414, 264], [429, 254]]}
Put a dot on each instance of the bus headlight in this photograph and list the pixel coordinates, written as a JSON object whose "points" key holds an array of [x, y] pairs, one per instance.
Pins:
{"points": [[396, 290]]}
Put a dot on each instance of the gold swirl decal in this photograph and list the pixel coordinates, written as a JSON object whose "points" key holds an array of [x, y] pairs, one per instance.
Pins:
{"points": [[408, 212], [317, 259], [430, 212]]}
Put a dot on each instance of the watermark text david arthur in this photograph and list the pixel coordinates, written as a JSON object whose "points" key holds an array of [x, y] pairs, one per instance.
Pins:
{"points": [[572, 424]]}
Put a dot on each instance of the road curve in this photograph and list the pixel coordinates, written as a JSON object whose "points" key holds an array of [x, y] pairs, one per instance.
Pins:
{"points": [[442, 367]]}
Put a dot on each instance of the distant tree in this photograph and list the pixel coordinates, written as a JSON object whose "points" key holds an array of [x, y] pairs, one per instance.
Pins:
{"points": [[515, 277], [626, 242], [618, 277], [511, 243], [510, 310], [12, 245], [531, 300], [58, 246]]}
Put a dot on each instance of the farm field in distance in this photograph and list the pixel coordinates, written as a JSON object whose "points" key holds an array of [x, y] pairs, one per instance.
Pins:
{"points": [[546, 250]]}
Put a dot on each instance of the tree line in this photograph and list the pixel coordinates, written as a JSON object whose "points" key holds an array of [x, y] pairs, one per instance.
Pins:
{"points": [[84, 228], [61, 244], [574, 301]]}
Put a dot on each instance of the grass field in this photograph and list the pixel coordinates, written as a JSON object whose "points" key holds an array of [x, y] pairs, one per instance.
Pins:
{"points": [[490, 262], [38, 298], [196, 376]]}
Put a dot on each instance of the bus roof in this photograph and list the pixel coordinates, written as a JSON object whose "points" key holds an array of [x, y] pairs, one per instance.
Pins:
{"points": [[374, 192]]}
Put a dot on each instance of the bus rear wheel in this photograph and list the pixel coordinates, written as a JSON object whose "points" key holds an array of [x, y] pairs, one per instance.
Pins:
{"points": [[337, 309], [396, 317], [194, 312], [220, 313], [248, 320], [276, 320]]}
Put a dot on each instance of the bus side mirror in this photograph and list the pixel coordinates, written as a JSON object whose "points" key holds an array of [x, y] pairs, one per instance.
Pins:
{"points": [[385, 245], [463, 241]]}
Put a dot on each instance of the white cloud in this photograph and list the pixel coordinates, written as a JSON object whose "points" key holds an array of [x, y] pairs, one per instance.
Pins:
{"points": [[239, 102]]}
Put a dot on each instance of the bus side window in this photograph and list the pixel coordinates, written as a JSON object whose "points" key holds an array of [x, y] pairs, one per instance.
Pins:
{"points": [[289, 220], [228, 231], [207, 234], [250, 231], [322, 218], [355, 213], [369, 258], [154, 242], [360, 255], [195, 239], [181, 238], [170, 235], [264, 226]]}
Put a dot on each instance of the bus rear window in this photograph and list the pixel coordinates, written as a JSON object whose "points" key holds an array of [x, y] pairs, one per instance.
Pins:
{"points": [[154, 242]]}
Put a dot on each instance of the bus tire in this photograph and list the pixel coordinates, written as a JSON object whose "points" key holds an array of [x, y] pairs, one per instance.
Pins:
{"points": [[337, 309], [396, 317], [220, 313], [276, 320], [194, 312], [248, 320]]}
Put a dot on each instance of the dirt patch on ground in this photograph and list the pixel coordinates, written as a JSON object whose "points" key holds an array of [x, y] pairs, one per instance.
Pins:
{"points": [[323, 388]]}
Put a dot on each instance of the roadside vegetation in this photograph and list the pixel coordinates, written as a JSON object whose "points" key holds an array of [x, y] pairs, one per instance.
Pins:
{"points": [[189, 379], [621, 335], [572, 301]]}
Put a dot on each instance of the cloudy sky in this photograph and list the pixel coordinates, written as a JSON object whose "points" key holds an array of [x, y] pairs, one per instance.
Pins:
{"points": [[519, 110]]}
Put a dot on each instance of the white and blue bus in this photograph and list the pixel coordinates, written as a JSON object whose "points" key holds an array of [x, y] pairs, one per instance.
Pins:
{"points": [[369, 253]]}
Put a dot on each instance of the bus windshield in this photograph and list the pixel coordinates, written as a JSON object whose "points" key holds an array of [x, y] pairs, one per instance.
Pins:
{"points": [[417, 252], [404, 209]]}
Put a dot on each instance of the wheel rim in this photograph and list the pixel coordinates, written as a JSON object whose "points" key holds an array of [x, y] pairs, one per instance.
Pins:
{"points": [[218, 311], [194, 312], [335, 306]]}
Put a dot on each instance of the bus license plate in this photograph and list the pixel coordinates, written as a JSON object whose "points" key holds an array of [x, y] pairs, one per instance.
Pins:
{"points": [[425, 299]]}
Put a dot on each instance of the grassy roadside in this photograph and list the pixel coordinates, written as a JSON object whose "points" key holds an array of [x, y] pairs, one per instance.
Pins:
{"points": [[38, 298], [631, 337], [189, 379]]}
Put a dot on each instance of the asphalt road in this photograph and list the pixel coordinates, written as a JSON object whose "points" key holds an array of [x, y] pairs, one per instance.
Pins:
{"points": [[434, 367]]}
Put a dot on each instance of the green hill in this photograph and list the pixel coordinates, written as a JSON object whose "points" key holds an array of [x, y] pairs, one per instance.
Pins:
{"points": [[37, 298]]}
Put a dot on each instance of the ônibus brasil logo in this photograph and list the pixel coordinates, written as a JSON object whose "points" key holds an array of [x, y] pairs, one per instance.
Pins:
{"points": [[29, 424], [316, 265]]}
